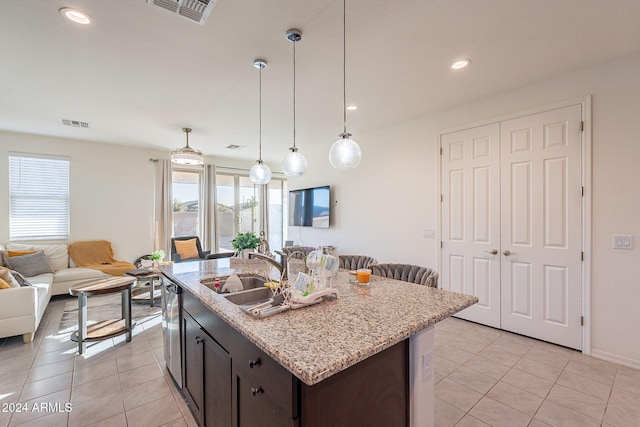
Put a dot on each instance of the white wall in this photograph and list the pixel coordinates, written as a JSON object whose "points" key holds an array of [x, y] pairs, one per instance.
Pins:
{"points": [[383, 205], [111, 190]]}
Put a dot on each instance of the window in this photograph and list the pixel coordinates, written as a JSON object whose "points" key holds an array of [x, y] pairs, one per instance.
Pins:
{"points": [[186, 188], [239, 209], [38, 197]]}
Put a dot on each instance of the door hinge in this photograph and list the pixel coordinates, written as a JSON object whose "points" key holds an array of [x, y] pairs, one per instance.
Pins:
{"points": [[441, 151], [581, 256], [581, 320], [441, 245], [582, 191], [441, 198], [582, 126]]}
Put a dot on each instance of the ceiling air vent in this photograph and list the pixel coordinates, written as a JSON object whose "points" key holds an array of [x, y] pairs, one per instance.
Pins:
{"points": [[234, 146], [74, 123], [194, 10]]}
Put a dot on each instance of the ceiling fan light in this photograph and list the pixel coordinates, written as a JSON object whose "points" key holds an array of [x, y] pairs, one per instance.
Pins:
{"points": [[187, 155], [294, 163], [345, 153]]}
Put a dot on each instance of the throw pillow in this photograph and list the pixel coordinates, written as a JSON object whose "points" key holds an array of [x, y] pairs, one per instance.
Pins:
{"points": [[20, 278], [30, 265], [4, 285], [20, 253], [187, 248], [7, 277]]}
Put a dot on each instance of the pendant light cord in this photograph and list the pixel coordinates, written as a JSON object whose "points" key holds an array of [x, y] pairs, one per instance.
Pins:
{"points": [[294, 94], [260, 121], [344, 63]]}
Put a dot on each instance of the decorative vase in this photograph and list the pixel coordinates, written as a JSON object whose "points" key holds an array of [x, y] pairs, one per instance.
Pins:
{"points": [[245, 252]]}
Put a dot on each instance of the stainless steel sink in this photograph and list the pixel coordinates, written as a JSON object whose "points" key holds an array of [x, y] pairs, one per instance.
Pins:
{"points": [[248, 282], [251, 296]]}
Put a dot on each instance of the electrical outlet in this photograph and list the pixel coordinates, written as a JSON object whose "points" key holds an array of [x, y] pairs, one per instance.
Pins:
{"points": [[622, 242], [429, 233]]}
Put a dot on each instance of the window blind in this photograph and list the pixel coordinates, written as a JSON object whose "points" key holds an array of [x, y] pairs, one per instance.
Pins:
{"points": [[38, 197]]}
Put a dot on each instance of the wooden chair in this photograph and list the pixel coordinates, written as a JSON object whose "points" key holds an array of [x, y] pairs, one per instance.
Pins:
{"points": [[175, 256], [354, 262], [407, 273]]}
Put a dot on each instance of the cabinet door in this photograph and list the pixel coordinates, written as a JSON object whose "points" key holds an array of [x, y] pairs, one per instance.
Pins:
{"points": [[254, 408], [217, 384], [193, 366]]}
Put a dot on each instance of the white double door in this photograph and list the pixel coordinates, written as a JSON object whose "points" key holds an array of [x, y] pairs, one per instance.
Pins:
{"points": [[511, 223]]}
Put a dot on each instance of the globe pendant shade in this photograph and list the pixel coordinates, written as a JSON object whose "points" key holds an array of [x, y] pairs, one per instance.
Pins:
{"points": [[294, 164], [345, 153], [260, 173]]}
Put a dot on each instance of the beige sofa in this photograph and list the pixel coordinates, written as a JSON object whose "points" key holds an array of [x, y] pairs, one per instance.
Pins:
{"points": [[21, 309]]}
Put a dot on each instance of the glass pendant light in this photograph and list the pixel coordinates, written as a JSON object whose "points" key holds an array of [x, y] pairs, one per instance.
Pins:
{"points": [[260, 173], [345, 153], [294, 163], [187, 155]]}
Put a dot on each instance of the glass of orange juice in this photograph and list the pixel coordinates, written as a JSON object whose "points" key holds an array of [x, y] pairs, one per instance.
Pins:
{"points": [[363, 275]]}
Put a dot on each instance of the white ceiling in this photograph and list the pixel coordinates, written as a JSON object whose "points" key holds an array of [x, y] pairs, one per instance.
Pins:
{"points": [[139, 73]]}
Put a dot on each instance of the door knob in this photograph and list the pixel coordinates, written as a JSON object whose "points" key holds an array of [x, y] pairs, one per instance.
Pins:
{"points": [[256, 390], [492, 252], [506, 252], [253, 363]]}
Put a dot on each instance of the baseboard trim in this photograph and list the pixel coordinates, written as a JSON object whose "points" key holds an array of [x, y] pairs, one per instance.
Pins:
{"points": [[610, 357]]}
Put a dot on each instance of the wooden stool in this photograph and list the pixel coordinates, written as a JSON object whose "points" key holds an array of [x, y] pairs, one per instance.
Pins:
{"points": [[106, 328]]}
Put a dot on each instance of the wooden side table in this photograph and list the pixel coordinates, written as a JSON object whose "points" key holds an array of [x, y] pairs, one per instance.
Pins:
{"points": [[106, 328], [143, 281]]}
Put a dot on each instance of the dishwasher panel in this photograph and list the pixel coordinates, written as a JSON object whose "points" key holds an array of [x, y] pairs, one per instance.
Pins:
{"points": [[171, 295]]}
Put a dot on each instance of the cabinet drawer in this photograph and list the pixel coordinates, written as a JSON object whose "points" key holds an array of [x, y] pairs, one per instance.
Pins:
{"points": [[260, 372]]}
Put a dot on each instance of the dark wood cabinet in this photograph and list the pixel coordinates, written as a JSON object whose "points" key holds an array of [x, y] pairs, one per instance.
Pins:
{"points": [[207, 376], [229, 381]]}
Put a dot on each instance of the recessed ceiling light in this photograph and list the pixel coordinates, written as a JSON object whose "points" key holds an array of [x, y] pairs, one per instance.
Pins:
{"points": [[352, 107], [460, 64], [75, 15]]}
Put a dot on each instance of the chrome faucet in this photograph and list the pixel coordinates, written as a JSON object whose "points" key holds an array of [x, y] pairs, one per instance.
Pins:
{"points": [[281, 266]]}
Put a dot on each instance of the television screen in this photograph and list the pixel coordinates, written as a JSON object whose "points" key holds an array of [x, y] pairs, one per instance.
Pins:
{"points": [[309, 207]]}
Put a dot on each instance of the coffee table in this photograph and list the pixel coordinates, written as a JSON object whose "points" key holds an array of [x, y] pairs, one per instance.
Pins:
{"points": [[106, 328]]}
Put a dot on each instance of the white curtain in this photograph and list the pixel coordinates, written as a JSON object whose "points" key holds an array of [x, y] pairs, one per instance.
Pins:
{"points": [[209, 211], [163, 208]]}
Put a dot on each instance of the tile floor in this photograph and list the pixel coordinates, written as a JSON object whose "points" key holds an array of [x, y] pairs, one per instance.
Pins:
{"points": [[484, 377], [113, 384], [487, 377]]}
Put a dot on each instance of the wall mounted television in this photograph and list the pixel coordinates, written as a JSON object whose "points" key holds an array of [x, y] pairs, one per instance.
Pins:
{"points": [[310, 207]]}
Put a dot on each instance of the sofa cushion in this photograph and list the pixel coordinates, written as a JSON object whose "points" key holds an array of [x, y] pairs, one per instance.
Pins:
{"points": [[57, 255], [30, 265], [77, 273], [4, 285]]}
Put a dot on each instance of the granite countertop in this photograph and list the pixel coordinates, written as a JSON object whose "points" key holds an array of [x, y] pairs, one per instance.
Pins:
{"points": [[318, 341]]}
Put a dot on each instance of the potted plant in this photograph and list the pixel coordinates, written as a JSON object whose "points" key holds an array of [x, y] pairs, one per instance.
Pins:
{"points": [[245, 242], [156, 257]]}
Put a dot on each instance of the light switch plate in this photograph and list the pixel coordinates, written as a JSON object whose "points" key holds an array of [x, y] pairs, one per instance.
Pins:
{"points": [[429, 233], [622, 242]]}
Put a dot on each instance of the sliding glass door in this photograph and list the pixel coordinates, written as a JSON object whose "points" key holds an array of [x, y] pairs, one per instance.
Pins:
{"points": [[238, 209]]}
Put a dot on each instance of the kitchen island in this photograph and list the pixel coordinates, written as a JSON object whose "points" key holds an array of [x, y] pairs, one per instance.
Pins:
{"points": [[379, 336]]}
